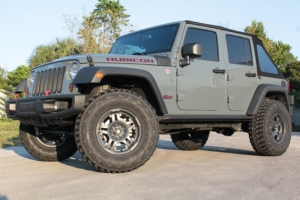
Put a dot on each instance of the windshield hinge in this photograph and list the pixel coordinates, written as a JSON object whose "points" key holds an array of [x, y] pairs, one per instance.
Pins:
{"points": [[90, 60]]}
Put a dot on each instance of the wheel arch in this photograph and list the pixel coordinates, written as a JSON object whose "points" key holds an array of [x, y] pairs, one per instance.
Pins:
{"points": [[142, 81], [268, 91]]}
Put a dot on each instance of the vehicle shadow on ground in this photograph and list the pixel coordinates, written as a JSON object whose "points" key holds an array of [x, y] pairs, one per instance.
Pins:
{"points": [[77, 161], [2, 197], [164, 144], [74, 161]]}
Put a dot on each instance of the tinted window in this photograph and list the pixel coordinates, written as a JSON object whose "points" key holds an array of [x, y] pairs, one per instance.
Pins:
{"points": [[207, 39], [154, 40], [265, 63], [239, 51]]}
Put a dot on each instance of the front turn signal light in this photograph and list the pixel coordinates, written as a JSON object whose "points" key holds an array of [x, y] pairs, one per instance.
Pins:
{"points": [[99, 75]]}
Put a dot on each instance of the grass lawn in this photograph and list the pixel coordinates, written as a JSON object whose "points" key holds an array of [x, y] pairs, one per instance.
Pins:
{"points": [[9, 133]]}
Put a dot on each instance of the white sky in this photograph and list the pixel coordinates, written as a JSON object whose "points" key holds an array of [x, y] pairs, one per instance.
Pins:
{"points": [[28, 24]]}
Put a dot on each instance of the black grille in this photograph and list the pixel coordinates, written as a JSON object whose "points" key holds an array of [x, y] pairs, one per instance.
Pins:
{"points": [[50, 79]]}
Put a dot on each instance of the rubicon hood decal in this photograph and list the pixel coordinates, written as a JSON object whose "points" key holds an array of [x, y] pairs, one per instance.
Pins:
{"points": [[131, 60]]}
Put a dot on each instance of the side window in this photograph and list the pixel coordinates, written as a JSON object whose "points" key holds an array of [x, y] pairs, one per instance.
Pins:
{"points": [[207, 39], [239, 51], [265, 63]]}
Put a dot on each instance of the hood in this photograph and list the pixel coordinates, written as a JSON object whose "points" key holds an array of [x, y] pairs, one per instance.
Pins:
{"points": [[124, 59]]}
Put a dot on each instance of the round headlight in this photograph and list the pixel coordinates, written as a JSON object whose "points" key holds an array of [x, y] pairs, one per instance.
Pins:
{"points": [[32, 78], [74, 70]]}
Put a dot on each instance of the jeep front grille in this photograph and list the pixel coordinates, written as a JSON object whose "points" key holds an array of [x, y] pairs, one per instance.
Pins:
{"points": [[51, 79]]}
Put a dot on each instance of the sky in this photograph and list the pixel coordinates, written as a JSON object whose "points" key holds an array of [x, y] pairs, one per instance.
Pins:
{"points": [[24, 25]]}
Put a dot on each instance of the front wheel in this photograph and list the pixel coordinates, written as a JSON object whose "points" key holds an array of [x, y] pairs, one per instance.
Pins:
{"points": [[117, 132], [270, 130], [45, 146]]}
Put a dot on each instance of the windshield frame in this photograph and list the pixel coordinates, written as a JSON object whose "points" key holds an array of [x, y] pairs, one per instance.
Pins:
{"points": [[141, 32]]}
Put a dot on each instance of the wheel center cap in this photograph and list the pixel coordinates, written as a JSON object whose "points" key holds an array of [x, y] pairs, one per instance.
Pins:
{"points": [[118, 130]]}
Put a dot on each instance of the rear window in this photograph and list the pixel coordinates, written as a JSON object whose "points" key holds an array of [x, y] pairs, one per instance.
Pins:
{"points": [[239, 50]]}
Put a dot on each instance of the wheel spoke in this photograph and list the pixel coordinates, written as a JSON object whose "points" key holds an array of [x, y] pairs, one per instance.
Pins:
{"points": [[274, 133], [119, 116], [104, 126], [127, 144], [114, 145], [132, 127], [103, 132], [109, 143], [129, 122], [130, 139]]}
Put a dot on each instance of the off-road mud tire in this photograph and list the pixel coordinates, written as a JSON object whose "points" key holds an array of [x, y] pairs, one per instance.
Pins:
{"points": [[260, 129], [190, 141], [89, 144], [42, 152]]}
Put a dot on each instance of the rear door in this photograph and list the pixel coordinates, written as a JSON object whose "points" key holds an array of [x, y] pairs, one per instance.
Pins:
{"points": [[198, 86], [242, 71]]}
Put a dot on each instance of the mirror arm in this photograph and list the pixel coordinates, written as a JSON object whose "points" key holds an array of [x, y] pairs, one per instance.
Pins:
{"points": [[184, 62]]}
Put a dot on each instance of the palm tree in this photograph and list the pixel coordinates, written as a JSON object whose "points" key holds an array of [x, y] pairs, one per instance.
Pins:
{"points": [[47, 53]]}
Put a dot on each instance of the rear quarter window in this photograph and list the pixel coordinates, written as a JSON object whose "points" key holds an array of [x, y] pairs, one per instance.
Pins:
{"points": [[265, 63]]}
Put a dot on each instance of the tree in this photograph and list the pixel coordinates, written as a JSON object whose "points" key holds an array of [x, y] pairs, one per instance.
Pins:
{"points": [[279, 52], [47, 53], [110, 16], [3, 81], [292, 73], [16, 76], [97, 32]]}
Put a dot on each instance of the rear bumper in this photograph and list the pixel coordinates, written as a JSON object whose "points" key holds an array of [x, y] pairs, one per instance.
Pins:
{"points": [[46, 107]]}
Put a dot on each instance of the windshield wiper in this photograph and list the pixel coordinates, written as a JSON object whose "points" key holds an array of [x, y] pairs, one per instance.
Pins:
{"points": [[139, 53]]}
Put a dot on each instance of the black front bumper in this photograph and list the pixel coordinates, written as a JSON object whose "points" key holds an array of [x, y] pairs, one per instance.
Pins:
{"points": [[41, 108]]}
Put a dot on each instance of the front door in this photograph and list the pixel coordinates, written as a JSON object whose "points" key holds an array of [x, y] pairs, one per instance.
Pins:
{"points": [[202, 84]]}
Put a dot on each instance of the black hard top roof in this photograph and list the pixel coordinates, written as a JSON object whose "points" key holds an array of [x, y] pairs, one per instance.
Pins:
{"points": [[217, 27]]}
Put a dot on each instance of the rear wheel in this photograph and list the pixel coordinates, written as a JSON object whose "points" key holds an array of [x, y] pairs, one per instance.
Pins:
{"points": [[190, 141], [46, 146], [270, 130]]}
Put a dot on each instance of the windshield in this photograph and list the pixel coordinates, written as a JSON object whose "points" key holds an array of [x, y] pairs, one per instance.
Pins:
{"points": [[155, 40]]}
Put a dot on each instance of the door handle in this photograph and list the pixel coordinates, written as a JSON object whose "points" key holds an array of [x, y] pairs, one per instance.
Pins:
{"points": [[251, 74], [219, 71]]}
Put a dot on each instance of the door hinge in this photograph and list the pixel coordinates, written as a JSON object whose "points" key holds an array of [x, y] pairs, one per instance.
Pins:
{"points": [[180, 97], [180, 72], [230, 99], [229, 77]]}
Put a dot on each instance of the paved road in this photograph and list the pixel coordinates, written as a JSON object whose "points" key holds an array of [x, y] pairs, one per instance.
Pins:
{"points": [[227, 168]]}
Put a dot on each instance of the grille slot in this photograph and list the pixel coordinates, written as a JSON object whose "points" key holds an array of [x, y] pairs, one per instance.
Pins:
{"points": [[51, 79]]}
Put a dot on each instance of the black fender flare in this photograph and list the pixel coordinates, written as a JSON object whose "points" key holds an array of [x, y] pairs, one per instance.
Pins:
{"points": [[88, 75], [260, 94], [22, 86]]}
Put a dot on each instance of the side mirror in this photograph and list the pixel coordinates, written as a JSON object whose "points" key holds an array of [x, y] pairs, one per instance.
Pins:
{"points": [[190, 50]]}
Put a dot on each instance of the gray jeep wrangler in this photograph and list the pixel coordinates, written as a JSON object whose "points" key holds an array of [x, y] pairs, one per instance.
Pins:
{"points": [[184, 79]]}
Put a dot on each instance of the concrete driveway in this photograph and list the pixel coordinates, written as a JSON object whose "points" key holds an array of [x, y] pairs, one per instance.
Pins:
{"points": [[227, 168]]}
